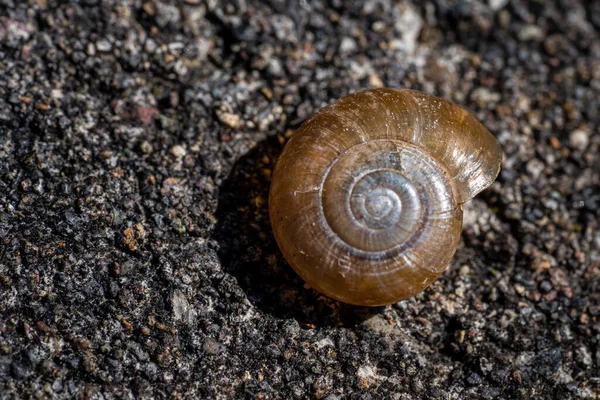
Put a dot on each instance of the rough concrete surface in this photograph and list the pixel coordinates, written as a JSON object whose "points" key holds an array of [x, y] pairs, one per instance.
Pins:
{"points": [[137, 138]]}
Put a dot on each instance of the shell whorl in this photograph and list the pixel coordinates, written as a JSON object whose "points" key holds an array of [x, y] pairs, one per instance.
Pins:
{"points": [[366, 197]]}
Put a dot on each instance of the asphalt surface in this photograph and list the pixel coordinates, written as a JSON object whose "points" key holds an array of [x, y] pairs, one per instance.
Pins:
{"points": [[137, 139]]}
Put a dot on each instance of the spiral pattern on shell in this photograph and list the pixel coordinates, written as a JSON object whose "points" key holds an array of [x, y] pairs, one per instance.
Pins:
{"points": [[366, 197]]}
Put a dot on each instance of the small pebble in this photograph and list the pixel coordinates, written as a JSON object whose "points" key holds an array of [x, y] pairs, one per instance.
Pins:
{"points": [[535, 168], [230, 119], [579, 139], [178, 151], [496, 5], [531, 33], [146, 147]]}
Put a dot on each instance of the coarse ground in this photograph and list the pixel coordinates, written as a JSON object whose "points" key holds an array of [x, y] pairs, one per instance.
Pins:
{"points": [[137, 138]]}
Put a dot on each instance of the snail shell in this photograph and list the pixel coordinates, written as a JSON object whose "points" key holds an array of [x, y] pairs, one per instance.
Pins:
{"points": [[365, 200]]}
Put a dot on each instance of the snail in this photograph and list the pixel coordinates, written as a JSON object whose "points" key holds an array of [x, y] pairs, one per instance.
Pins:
{"points": [[366, 198]]}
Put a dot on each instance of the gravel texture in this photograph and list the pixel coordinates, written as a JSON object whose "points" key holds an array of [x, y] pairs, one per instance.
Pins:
{"points": [[137, 138]]}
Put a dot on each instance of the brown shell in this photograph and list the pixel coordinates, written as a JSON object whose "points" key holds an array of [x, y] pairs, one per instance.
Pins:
{"points": [[365, 199]]}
